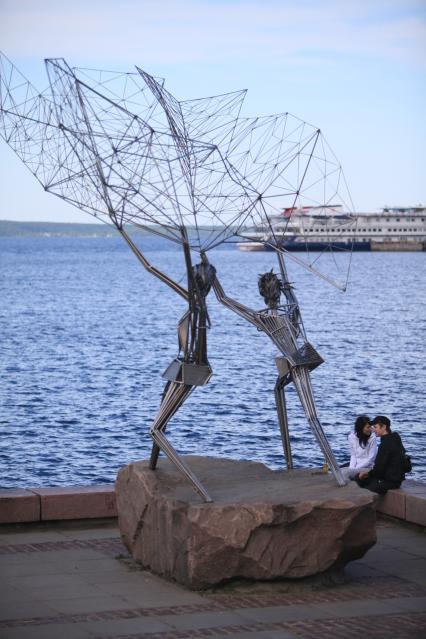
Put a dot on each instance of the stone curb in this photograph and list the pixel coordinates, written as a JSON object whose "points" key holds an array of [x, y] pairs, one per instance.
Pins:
{"points": [[23, 505], [407, 503]]}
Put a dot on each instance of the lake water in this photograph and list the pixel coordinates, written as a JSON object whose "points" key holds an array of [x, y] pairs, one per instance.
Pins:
{"points": [[86, 333]]}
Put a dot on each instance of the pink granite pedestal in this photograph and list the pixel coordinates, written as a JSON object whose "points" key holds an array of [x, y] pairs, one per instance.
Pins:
{"points": [[262, 524]]}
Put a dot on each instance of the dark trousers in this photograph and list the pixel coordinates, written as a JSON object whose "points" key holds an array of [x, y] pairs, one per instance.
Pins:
{"points": [[380, 486]]}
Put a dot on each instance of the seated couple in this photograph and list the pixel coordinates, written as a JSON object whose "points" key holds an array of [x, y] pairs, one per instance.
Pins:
{"points": [[376, 468]]}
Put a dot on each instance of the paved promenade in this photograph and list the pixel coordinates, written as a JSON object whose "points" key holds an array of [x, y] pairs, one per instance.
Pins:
{"points": [[76, 581]]}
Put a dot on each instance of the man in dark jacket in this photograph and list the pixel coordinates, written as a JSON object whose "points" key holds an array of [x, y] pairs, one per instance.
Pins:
{"points": [[387, 471]]}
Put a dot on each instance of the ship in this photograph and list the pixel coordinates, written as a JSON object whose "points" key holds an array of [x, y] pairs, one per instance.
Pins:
{"points": [[319, 227]]}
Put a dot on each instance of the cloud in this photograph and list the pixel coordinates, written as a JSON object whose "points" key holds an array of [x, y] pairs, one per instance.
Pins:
{"points": [[210, 32]]}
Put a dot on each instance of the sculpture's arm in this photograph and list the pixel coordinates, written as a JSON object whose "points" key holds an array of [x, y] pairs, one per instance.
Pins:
{"points": [[151, 269], [237, 307]]}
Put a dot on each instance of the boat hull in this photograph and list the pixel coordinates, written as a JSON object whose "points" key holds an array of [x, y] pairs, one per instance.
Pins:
{"points": [[321, 246], [335, 246]]}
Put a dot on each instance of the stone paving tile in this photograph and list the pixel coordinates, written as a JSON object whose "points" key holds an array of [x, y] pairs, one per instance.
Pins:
{"points": [[17, 603], [283, 613], [384, 522], [381, 569], [140, 597], [89, 604], [260, 634], [97, 547], [415, 547], [376, 555], [76, 591], [413, 569], [99, 567], [115, 628], [34, 582], [20, 565], [414, 604], [108, 530], [10, 594], [28, 537], [359, 569], [135, 590], [201, 620], [360, 608], [153, 590], [56, 631], [399, 531], [123, 575], [140, 590], [24, 609]]}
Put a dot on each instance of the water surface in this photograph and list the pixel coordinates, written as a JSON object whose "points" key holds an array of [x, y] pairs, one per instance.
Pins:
{"points": [[86, 333]]}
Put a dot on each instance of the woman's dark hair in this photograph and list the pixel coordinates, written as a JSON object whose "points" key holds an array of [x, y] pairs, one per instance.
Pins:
{"points": [[360, 422]]}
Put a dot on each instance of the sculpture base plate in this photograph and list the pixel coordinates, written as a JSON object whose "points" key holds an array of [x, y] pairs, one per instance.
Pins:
{"points": [[262, 524]]}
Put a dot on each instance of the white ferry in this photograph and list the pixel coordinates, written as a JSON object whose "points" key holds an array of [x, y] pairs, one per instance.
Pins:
{"points": [[392, 229]]}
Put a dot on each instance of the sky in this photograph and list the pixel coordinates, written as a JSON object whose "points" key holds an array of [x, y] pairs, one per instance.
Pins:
{"points": [[356, 69]]}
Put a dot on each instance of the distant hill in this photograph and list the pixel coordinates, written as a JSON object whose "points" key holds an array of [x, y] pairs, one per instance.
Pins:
{"points": [[10, 228]]}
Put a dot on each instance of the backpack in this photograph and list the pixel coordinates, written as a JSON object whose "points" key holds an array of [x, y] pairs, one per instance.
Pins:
{"points": [[407, 466]]}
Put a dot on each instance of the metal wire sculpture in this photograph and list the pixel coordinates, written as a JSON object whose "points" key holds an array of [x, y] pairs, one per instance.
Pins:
{"points": [[122, 148], [283, 324]]}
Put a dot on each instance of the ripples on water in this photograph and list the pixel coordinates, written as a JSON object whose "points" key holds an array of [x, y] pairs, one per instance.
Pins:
{"points": [[87, 332]]}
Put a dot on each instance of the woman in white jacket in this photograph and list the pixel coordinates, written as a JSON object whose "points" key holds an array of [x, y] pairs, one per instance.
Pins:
{"points": [[363, 447]]}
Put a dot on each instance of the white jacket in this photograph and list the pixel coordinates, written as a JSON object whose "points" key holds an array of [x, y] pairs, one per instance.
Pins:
{"points": [[362, 457]]}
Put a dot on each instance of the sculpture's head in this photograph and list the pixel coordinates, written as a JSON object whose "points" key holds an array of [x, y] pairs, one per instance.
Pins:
{"points": [[270, 287], [204, 275]]}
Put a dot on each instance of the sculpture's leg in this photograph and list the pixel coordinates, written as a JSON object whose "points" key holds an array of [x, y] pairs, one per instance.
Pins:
{"points": [[173, 398], [282, 418], [302, 382], [162, 441]]}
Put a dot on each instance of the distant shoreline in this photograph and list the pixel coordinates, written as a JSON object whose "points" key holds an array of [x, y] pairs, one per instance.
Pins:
{"points": [[11, 228]]}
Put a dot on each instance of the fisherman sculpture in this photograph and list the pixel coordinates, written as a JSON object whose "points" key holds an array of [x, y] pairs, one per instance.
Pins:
{"points": [[283, 325], [191, 367]]}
